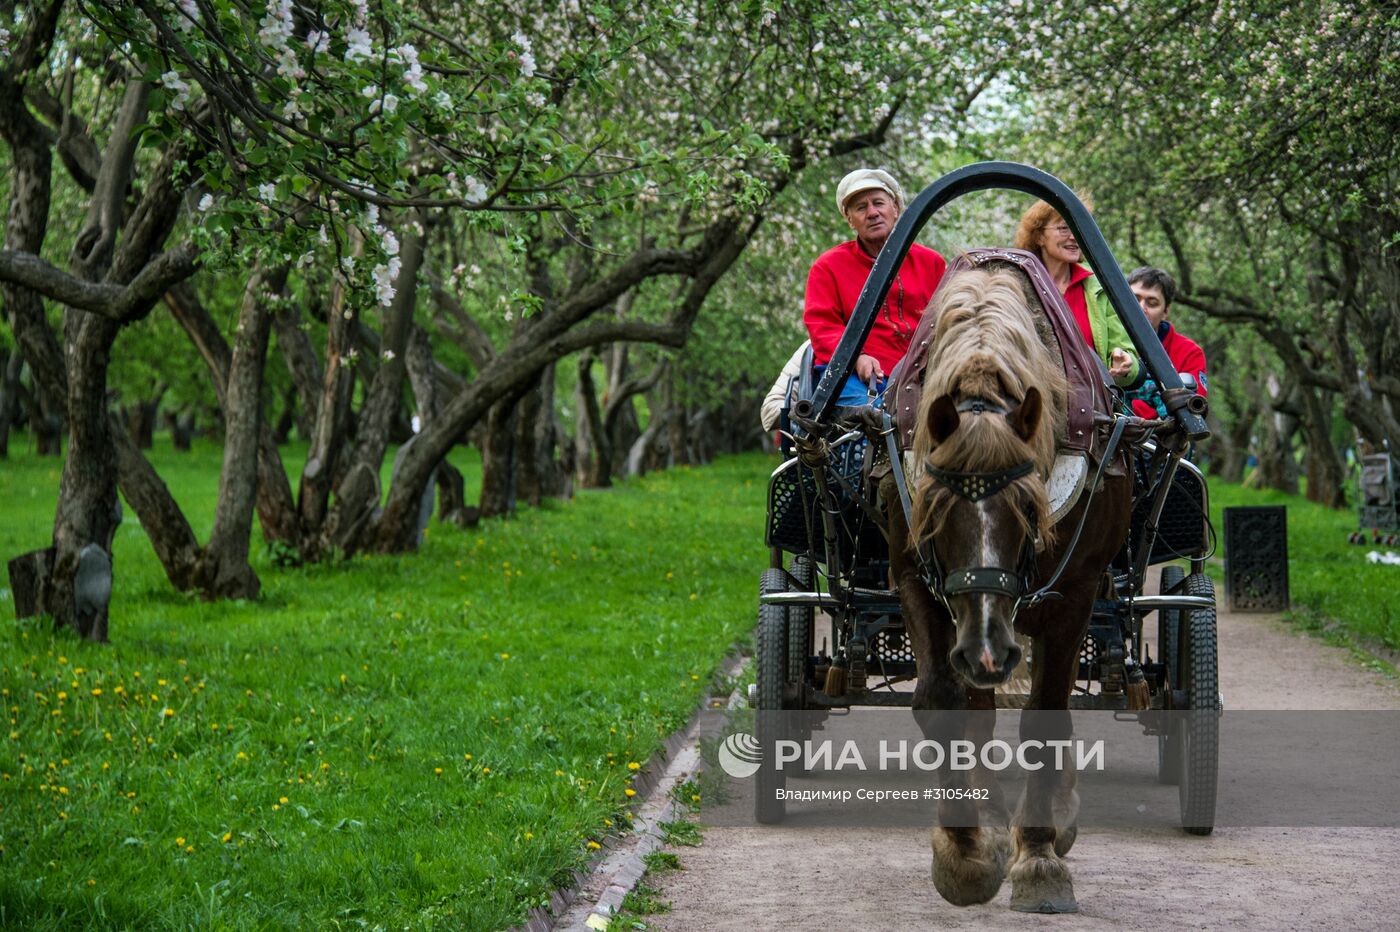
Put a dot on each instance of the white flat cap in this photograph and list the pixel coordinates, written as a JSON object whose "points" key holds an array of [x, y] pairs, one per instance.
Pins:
{"points": [[863, 179]]}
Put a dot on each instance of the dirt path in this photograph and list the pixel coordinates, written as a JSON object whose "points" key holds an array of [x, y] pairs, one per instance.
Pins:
{"points": [[757, 877]]}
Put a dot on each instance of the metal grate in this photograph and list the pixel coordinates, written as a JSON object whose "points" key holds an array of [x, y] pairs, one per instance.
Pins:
{"points": [[1089, 652], [1181, 531], [892, 646], [787, 526], [1256, 558]]}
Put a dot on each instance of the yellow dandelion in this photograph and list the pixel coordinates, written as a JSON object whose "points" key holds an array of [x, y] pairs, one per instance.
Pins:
{"points": [[466, 757], [695, 676], [485, 769], [437, 771], [275, 807], [695, 797], [608, 822], [694, 596], [633, 765], [180, 841], [168, 713], [529, 836], [505, 656], [97, 692], [62, 659], [593, 846], [242, 756], [228, 837], [62, 696], [283, 800], [91, 882], [630, 792], [189, 849]]}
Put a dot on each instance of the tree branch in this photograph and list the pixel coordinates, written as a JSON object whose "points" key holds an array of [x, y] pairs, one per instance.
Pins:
{"points": [[117, 302]]}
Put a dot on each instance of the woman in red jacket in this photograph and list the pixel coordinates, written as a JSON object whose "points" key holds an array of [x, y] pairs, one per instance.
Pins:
{"points": [[870, 200]]}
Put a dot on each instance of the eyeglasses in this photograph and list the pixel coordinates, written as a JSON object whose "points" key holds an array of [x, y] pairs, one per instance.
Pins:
{"points": [[1060, 228]]}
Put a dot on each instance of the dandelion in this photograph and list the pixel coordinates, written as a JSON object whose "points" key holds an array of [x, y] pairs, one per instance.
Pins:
{"points": [[180, 841], [228, 837], [283, 800], [437, 771], [529, 836], [593, 846], [466, 757], [485, 769], [630, 792], [168, 713], [633, 765]]}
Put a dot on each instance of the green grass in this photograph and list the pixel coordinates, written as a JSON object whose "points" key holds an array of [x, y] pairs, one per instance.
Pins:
{"points": [[432, 740], [1327, 576]]}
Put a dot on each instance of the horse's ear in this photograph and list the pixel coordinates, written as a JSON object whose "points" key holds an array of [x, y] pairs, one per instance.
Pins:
{"points": [[942, 418], [1025, 417]]}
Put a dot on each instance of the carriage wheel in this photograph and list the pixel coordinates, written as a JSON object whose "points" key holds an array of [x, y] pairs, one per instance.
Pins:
{"points": [[1168, 623], [768, 715], [799, 620], [1200, 732]]}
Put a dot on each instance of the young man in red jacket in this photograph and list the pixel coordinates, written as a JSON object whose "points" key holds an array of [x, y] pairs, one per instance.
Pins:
{"points": [[1155, 292], [870, 200]]}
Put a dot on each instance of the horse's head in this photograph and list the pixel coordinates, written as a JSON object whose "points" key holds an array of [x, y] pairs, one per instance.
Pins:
{"points": [[992, 403], [982, 524]]}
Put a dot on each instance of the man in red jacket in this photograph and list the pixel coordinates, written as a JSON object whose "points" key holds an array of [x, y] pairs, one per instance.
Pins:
{"points": [[870, 200], [1155, 292]]}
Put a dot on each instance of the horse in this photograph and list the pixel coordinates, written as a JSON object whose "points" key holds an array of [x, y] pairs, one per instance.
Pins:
{"points": [[991, 414]]}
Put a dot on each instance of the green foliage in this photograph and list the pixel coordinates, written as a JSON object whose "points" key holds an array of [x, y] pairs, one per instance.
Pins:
{"points": [[424, 741]]}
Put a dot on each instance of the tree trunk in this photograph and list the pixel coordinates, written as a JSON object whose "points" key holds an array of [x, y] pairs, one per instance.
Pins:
{"points": [[1277, 467], [498, 461], [141, 419], [282, 430], [277, 510], [223, 570], [10, 365], [592, 445], [296, 349], [358, 493], [181, 426]]}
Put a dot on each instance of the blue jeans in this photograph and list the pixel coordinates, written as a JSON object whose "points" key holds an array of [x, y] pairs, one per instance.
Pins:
{"points": [[855, 393]]}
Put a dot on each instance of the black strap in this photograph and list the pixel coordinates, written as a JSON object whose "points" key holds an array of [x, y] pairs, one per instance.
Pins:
{"points": [[975, 486], [991, 579]]}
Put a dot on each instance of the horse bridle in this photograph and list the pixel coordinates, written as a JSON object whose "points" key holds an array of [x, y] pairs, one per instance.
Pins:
{"points": [[993, 580], [975, 487]]}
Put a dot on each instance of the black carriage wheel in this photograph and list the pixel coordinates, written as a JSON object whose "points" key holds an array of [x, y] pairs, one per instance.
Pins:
{"points": [[799, 620], [1200, 745], [1168, 623], [771, 662]]}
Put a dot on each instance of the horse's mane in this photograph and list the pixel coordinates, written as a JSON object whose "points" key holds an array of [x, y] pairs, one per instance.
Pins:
{"points": [[985, 344]]}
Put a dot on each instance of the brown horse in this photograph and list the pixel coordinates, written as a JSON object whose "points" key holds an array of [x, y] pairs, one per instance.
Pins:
{"points": [[991, 416]]}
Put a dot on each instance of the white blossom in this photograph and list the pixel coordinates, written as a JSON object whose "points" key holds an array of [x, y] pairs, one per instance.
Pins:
{"points": [[359, 48], [391, 103], [277, 25], [191, 10], [407, 55], [442, 101], [475, 191], [267, 191], [171, 81], [206, 202], [317, 41], [535, 99], [388, 355]]}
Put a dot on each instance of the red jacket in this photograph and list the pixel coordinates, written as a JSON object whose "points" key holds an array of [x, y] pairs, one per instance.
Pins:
{"points": [[834, 285], [1186, 355]]}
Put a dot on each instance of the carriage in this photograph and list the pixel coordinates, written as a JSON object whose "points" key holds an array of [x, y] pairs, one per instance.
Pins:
{"points": [[831, 555]]}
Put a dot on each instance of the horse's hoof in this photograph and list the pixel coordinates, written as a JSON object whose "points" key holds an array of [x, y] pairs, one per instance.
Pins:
{"points": [[1048, 906], [966, 875], [1064, 839], [1042, 885]]}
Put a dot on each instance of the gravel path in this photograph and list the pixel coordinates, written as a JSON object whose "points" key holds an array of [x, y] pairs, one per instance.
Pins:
{"points": [[758, 877]]}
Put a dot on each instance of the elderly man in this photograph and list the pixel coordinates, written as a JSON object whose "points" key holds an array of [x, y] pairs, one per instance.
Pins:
{"points": [[1155, 292], [870, 200]]}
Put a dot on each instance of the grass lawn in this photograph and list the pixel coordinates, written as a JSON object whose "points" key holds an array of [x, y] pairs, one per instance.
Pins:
{"points": [[1328, 578], [432, 740]]}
